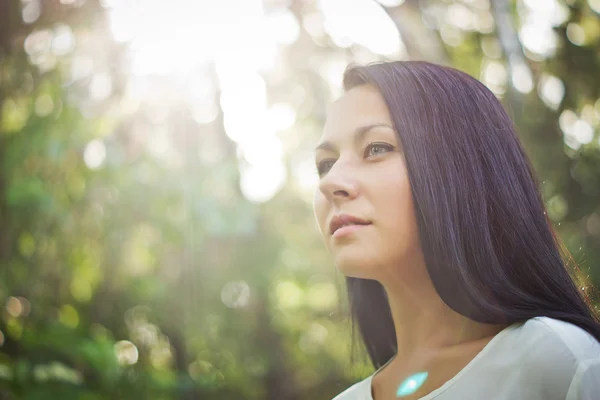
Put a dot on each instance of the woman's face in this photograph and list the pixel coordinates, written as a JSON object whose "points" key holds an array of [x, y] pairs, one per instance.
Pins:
{"points": [[363, 175]]}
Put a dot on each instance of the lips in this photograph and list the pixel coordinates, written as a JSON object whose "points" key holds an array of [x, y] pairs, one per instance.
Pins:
{"points": [[342, 220]]}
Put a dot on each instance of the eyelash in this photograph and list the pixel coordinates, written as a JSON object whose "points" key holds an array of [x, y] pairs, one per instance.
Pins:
{"points": [[320, 164]]}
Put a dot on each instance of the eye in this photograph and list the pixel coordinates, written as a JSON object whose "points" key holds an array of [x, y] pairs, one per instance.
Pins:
{"points": [[374, 149], [324, 166]]}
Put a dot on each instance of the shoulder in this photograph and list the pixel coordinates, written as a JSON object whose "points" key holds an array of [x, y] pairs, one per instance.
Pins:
{"points": [[358, 391], [559, 356], [555, 338]]}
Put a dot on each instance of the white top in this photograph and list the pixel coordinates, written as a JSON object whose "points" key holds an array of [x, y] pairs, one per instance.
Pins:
{"points": [[542, 359]]}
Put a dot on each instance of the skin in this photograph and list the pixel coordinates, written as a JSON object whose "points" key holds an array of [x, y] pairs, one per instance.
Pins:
{"points": [[366, 177]]}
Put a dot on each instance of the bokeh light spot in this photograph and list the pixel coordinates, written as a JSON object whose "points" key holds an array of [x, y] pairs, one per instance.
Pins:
{"points": [[38, 42], [539, 38], [313, 338], [551, 90], [25, 306], [521, 78], [576, 34], [557, 208], [14, 306], [81, 67], [63, 42], [27, 244], [199, 368], [100, 87], [322, 296], [288, 294], [94, 154], [126, 352], [495, 76], [68, 316], [235, 294], [31, 11], [44, 105]]}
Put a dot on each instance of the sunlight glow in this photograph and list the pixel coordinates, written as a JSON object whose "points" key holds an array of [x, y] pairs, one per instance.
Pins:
{"points": [[306, 179], [284, 26], [244, 106], [178, 36], [253, 127], [281, 116], [180, 39], [332, 70], [313, 24], [205, 113], [159, 143], [268, 150], [363, 22], [259, 183]]}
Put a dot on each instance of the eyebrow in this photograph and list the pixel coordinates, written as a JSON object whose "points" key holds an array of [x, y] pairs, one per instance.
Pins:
{"points": [[359, 134]]}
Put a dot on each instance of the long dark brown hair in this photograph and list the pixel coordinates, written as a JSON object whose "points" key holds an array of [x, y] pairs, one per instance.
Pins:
{"points": [[488, 244]]}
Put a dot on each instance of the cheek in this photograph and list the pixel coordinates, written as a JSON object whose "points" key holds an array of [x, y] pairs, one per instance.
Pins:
{"points": [[398, 216]]}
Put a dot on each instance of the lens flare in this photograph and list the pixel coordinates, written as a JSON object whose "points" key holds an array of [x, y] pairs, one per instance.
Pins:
{"points": [[411, 384]]}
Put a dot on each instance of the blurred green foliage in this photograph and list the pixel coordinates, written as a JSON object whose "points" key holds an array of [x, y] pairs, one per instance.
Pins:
{"points": [[131, 273]]}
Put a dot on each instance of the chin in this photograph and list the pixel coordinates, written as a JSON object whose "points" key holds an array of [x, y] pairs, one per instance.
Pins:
{"points": [[355, 268]]}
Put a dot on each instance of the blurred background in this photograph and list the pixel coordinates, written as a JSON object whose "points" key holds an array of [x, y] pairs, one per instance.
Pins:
{"points": [[157, 239]]}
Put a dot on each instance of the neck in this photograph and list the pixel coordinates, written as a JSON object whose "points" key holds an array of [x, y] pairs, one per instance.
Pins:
{"points": [[424, 324]]}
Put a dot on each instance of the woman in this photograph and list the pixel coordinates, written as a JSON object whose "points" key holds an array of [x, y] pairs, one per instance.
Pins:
{"points": [[430, 208]]}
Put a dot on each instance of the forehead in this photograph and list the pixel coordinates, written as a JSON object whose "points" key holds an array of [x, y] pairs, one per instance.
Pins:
{"points": [[360, 106]]}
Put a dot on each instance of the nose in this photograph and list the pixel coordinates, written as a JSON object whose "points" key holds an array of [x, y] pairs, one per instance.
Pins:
{"points": [[339, 183]]}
